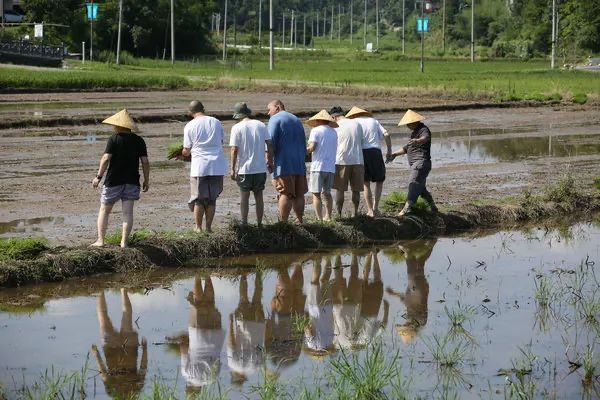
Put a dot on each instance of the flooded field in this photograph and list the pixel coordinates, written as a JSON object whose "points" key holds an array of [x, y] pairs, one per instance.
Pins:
{"points": [[478, 155], [513, 314]]}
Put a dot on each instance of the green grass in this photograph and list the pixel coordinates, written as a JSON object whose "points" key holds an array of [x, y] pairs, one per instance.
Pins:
{"points": [[135, 238], [394, 202], [22, 248], [349, 70], [597, 183]]}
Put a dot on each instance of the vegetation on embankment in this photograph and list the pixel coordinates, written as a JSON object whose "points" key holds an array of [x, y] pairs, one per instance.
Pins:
{"points": [[42, 264], [350, 73]]}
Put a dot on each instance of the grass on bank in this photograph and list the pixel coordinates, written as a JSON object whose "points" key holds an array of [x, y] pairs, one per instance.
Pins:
{"points": [[22, 248], [380, 74]]}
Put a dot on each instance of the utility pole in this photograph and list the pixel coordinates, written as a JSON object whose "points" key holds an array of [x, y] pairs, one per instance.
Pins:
{"points": [[91, 33], [351, 16], [331, 30], [403, 30], [2, 12], [339, 22], [472, 30], [259, 24], [553, 55], [172, 34], [422, 35], [119, 32], [292, 29], [283, 31], [304, 31], [271, 48], [295, 31], [365, 26], [444, 26], [377, 22], [317, 24], [224, 33], [325, 22]]}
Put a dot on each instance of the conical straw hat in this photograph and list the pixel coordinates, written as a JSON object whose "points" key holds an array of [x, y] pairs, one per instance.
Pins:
{"points": [[357, 112], [409, 117], [322, 116], [123, 120]]}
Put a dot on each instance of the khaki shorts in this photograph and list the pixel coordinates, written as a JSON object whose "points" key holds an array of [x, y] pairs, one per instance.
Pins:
{"points": [[354, 174], [204, 190], [291, 185]]}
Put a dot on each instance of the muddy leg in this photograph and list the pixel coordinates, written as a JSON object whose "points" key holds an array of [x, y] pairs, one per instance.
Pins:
{"points": [[198, 216], [260, 206], [318, 206], [328, 206], [210, 215], [244, 200], [369, 199], [298, 204], [378, 190], [355, 202], [339, 201], [285, 206]]}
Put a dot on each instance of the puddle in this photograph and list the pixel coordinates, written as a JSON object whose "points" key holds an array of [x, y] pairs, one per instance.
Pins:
{"points": [[31, 225], [226, 330]]}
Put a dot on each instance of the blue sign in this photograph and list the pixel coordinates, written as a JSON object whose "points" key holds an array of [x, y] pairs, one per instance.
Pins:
{"points": [[92, 11], [422, 25]]}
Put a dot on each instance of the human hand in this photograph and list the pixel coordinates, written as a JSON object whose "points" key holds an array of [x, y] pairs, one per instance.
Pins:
{"points": [[145, 186], [390, 158], [95, 182]]}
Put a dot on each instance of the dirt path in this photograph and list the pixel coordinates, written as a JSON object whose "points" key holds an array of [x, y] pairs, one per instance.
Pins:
{"points": [[45, 173]]}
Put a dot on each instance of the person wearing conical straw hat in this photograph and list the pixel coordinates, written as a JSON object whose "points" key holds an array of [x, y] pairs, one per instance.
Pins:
{"points": [[203, 140], [322, 144], [418, 153], [121, 160], [374, 164]]}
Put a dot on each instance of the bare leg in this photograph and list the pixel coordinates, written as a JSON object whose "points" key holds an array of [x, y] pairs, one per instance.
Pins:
{"points": [[355, 202], [260, 206], [328, 205], [378, 190], [102, 223], [298, 205], [244, 200], [198, 216], [285, 206], [127, 206], [369, 199], [127, 314], [318, 206], [210, 215], [339, 201], [106, 326]]}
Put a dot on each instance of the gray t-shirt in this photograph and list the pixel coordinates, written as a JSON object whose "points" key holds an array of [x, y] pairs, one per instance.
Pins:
{"points": [[416, 153]]}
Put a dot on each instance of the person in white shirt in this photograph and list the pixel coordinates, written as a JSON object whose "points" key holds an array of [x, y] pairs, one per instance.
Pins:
{"points": [[203, 140], [318, 333], [349, 168], [373, 158], [322, 143], [248, 164]]}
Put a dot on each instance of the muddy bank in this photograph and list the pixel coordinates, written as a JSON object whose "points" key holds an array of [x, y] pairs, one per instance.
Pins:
{"points": [[172, 249]]}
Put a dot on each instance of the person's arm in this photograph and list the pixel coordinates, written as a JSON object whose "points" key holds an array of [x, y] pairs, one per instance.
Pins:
{"points": [[312, 143], [388, 143], [187, 144], [104, 161], [146, 172], [395, 154], [234, 154], [269, 155]]}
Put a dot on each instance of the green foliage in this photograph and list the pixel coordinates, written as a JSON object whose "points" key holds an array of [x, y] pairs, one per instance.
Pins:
{"points": [[135, 238], [580, 98], [174, 150], [597, 183], [394, 202], [446, 351], [563, 191], [110, 57], [22, 248], [57, 385]]}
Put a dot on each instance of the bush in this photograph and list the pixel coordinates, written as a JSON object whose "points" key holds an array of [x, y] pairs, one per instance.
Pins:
{"points": [[110, 57], [522, 49]]}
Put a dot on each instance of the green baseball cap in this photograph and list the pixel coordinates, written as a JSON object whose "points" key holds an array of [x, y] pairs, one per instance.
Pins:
{"points": [[241, 110]]}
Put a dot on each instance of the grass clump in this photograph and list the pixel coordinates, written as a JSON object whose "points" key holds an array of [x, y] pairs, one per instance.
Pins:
{"points": [[394, 202], [597, 183], [174, 150], [459, 315], [545, 292], [22, 248], [445, 351], [579, 98], [135, 238], [563, 191]]}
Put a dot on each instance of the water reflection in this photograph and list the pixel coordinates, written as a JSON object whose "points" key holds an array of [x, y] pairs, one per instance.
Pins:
{"points": [[318, 334], [29, 225], [416, 294], [119, 370]]}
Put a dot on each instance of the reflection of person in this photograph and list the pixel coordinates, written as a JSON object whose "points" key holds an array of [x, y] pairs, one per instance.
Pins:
{"points": [[373, 159], [120, 373], [203, 140], [322, 144], [201, 354], [248, 164], [372, 297], [289, 301], [417, 288], [347, 301], [121, 160], [318, 334], [418, 152], [349, 166], [247, 329], [289, 153]]}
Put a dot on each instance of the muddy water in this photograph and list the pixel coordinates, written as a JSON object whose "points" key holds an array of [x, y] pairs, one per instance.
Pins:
{"points": [[229, 328]]}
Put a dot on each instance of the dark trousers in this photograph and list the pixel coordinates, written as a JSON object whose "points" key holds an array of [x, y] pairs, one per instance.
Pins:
{"points": [[418, 179]]}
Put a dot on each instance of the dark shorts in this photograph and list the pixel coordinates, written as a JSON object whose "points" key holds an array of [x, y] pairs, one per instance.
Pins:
{"points": [[252, 182], [374, 166], [112, 194], [291, 185], [204, 190]]}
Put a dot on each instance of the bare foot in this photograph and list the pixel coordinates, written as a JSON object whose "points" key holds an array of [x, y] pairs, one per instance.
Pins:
{"points": [[97, 243], [370, 214], [124, 245], [197, 229]]}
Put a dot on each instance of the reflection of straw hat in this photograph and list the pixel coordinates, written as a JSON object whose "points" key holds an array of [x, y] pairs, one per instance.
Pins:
{"points": [[322, 116], [357, 112], [410, 117], [406, 332], [319, 354], [122, 119]]}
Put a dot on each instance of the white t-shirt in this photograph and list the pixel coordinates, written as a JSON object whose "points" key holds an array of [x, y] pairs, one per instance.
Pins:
{"points": [[202, 362], [249, 137], [246, 355], [373, 132], [323, 158], [350, 142], [204, 136]]}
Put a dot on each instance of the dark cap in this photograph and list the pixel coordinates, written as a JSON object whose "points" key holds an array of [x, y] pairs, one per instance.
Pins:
{"points": [[241, 110], [336, 111]]}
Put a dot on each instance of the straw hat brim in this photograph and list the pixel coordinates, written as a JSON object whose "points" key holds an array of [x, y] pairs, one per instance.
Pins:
{"points": [[358, 112], [316, 122], [410, 117], [122, 119]]}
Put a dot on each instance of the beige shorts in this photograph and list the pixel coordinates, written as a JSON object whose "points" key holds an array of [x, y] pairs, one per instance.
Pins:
{"points": [[353, 174], [204, 190], [291, 185]]}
